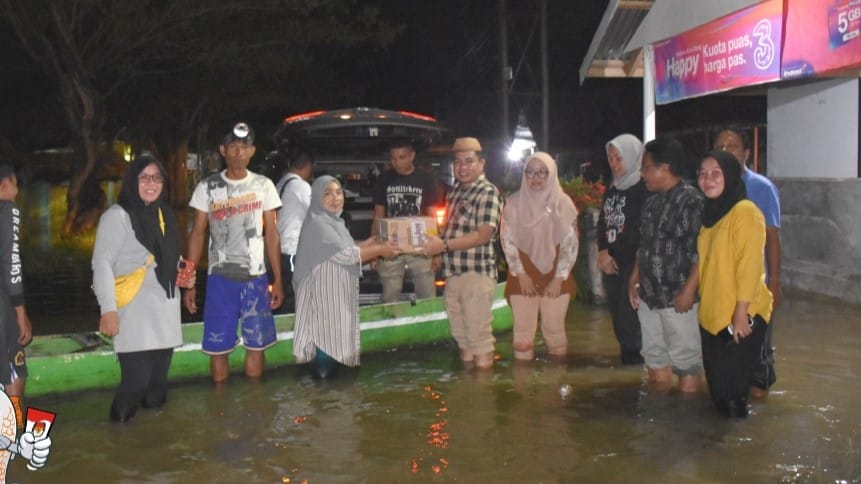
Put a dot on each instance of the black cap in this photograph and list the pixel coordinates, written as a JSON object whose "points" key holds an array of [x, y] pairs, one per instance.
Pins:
{"points": [[240, 132]]}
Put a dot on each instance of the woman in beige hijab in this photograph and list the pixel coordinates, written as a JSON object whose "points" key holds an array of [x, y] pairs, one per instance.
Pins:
{"points": [[539, 238]]}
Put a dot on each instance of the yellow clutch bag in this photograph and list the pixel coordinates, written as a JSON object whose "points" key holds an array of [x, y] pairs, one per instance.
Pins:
{"points": [[128, 285]]}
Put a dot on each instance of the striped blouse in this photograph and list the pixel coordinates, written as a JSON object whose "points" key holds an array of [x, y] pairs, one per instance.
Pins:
{"points": [[327, 311]]}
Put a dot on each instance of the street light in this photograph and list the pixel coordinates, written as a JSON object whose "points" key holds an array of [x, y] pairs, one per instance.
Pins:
{"points": [[523, 144]]}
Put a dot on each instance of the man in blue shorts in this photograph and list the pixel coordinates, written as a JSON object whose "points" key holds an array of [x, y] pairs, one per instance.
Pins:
{"points": [[762, 192], [239, 207]]}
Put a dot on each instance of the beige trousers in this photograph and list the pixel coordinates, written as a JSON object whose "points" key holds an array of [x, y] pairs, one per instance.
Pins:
{"points": [[469, 306], [552, 313]]}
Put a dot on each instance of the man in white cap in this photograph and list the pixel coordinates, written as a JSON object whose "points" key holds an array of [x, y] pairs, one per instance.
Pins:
{"points": [[473, 209], [239, 207]]}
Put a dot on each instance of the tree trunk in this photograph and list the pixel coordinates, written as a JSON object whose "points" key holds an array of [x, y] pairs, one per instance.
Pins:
{"points": [[80, 102], [70, 224], [176, 171]]}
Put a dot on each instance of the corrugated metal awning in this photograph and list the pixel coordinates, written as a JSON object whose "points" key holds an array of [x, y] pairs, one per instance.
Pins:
{"points": [[607, 55], [628, 25]]}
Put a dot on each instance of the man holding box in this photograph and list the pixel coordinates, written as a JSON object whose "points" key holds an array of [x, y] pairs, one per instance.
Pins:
{"points": [[473, 209], [404, 191]]}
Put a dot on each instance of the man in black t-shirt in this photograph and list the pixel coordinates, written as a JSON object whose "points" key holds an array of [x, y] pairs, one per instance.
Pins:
{"points": [[405, 191]]}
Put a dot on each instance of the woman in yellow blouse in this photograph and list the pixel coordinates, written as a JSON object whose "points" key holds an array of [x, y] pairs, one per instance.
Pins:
{"points": [[735, 304]]}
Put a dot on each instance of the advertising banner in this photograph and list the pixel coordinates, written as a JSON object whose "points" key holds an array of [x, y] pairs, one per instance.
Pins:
{"points": [[739, 49], [821, 36]]}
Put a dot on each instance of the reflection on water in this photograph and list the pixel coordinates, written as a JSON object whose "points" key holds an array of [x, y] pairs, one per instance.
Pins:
{"points": [[415, 416]]}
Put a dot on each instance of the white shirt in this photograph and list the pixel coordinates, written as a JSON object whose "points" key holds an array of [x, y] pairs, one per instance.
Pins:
{"points": [[295, 200], [235, 208]]}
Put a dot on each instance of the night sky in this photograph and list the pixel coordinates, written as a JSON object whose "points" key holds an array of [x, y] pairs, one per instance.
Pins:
{"points": [[445, 64]]}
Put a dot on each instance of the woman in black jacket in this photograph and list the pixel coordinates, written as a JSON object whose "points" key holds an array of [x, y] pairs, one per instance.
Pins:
{"points": [[618, 238]]}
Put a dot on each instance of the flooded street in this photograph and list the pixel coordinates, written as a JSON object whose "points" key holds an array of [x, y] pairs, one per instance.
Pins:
{"points": [[416, 416]]}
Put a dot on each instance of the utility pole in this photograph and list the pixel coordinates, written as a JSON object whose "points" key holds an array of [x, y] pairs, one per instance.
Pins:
{"points": [[525, 24], [545, 84], [504, 69]]}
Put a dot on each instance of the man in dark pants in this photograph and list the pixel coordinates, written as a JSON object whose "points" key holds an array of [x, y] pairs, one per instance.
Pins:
{"points": [[15, 328], [295, 193]]}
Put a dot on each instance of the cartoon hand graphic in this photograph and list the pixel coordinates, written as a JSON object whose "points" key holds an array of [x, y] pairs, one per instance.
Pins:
{"points": [[33, 450]]}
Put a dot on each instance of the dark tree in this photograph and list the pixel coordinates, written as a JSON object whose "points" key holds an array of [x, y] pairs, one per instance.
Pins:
{"points": [[160, 69]]}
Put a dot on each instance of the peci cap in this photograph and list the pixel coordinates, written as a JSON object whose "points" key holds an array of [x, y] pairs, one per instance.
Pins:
{"points": [[466, 144], [240, 132]]}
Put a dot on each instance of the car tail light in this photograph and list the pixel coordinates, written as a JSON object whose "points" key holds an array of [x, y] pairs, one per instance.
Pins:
{"points": [[418, 116], [303, 116]]}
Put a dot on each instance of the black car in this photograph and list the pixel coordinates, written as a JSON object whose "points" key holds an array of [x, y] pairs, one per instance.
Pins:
{"points": [[352, 145]]}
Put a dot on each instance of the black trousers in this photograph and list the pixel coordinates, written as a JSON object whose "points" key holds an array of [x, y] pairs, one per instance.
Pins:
{"points": [[730, 366], [764, 375], [626, 323], [289, 305], [143, 381]]}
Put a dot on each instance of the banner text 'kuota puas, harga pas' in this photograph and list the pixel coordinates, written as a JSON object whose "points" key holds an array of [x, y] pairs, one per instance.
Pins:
{"points": [[739, 49]]}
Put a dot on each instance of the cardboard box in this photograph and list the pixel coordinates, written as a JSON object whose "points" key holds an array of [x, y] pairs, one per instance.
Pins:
{"points": [[408, 233]]}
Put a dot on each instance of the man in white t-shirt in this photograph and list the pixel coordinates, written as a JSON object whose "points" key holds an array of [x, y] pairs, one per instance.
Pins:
{"points": [[295, 193], [239, 208]]}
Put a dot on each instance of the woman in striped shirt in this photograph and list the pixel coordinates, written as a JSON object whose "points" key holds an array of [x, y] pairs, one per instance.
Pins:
{"points": [[326, 282]]}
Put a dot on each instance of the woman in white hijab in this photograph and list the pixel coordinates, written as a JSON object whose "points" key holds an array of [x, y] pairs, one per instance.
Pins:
{"points": [[618, 238], [539, 238], [326, 282]]}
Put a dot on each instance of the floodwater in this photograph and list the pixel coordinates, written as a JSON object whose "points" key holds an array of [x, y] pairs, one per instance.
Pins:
{"points": [[416, 416]]}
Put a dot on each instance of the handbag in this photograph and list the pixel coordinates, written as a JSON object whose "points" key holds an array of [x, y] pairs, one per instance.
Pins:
{"points": [[127, 286]]}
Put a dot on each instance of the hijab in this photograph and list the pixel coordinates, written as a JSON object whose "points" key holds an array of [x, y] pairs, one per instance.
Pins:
{"points": [[323, 234], [733, 188], [631, 149], [147, 219], [539, 221]]}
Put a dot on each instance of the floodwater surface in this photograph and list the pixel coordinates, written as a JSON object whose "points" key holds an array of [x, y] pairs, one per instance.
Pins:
{"points": [[417, 416]]}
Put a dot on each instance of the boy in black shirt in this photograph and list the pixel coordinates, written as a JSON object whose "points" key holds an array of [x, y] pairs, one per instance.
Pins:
{"points": [[405, 191], [15, 329]]}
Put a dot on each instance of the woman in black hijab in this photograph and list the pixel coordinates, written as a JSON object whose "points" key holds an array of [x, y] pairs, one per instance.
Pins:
{"points": [[735, 304], [139, 233]]}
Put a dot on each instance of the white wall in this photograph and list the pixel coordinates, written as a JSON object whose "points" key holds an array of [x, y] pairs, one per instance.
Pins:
{"points": [[813, 129]]}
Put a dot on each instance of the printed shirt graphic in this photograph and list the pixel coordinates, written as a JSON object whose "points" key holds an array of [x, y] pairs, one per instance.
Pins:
{"points": [[405, 195], [618, 228], [235, 209], [614, 215], [10, 254], [669, 227]]}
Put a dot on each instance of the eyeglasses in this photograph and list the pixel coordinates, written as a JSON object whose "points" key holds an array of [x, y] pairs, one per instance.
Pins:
{"points": [[536, 173], [144, 178]]}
